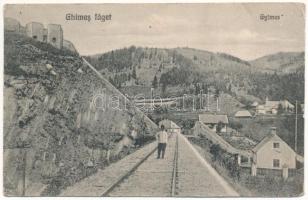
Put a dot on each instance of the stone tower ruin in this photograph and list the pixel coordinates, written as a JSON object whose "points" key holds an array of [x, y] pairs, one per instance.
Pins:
{"points": [[55, 35], [35, 30]]}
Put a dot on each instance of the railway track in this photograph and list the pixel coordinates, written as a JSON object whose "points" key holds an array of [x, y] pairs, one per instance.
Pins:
{"points": [[174, 179], [183, 173], [134, 182]]}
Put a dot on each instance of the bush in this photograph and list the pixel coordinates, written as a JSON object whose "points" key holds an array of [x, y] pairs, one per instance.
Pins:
{"points": [[144, 139], [188, 124], [214, 150], [219, 127], [236, 125]]}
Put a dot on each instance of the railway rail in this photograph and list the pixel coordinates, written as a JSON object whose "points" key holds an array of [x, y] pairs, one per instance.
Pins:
{"points": [[182, 173], [123, 185], [174, 180]]}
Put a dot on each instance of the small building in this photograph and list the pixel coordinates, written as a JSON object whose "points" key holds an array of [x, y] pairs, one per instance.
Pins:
{"points": [[243, 114], [287, 106], [55, 35], [273, 153], [35, 30], [212, 120], [260, 109], [271, 107], [170, 126], [254, 104]]}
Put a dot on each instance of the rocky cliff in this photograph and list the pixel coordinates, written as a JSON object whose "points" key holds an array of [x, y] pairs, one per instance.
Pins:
{"points": [[62, 119]]}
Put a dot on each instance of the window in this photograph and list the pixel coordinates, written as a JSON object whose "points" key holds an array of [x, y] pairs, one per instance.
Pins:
{"points": [[34, 37], [54, 39], [276, 163], [276, 145]]}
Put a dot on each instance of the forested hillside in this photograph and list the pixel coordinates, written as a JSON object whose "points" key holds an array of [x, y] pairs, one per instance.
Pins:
{"points": [[182, 70], [284, 62]]}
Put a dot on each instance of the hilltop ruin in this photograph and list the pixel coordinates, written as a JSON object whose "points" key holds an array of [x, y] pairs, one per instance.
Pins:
{"points": [[53, 34]]}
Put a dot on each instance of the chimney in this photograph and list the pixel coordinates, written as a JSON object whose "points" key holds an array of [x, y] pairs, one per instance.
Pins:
{"points": [[273, 130]]}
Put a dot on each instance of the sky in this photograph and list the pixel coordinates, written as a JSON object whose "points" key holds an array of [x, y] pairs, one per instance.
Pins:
{"points": [[235, 29]]}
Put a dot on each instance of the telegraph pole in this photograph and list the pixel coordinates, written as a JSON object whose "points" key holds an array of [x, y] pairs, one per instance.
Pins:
{"points": [[152, 94], [208, 99], [217, 104], [201, 99], [217, 98], [24, 172], [295, 143]]}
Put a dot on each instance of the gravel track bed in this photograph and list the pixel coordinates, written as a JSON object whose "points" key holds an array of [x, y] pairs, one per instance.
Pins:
{"points": [[96, 184], [152, 178], [195, 179]]}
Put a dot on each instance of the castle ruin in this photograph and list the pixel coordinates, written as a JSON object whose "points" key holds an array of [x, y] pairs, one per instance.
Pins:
{"points": [[36, 31], [53, 34]]}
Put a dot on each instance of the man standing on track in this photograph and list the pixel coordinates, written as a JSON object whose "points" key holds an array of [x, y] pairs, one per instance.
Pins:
{"points": [[162, 138]]}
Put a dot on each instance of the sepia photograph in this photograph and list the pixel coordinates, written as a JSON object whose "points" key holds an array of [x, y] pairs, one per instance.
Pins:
{"points": [[153, 100]]}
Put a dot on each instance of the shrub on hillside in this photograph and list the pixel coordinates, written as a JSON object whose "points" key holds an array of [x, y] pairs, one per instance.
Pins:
{"points": [[236, 125]]}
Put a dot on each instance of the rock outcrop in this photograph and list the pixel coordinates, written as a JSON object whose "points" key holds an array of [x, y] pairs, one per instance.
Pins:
{"points": [[61, 120]]}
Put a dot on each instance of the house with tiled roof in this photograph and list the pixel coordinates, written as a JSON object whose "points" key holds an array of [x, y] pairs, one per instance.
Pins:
{"points": [[273, 153], [243, 114]]}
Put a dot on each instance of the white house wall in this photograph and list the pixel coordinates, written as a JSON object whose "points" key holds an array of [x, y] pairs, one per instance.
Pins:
{"points": [[267, 153]]}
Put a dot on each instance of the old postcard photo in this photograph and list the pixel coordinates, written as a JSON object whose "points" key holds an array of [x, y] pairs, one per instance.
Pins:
{"points": [[153, 100]]}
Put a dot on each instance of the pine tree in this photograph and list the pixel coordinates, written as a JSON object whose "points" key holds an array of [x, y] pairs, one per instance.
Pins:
{"points": [[134, 75], [197, 88], [217, 93], [280, 109], [164, 87], [230, 88], [154, 83], [111, 81], [160, 67]]}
